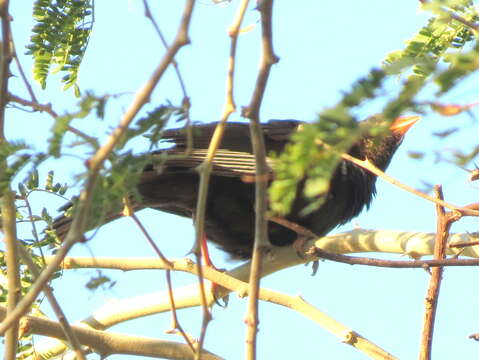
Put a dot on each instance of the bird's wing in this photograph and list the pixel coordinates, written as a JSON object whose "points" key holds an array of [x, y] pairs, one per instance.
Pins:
{"points": [[234, 157]]}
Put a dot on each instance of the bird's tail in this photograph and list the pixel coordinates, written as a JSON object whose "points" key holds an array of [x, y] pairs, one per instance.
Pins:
{"points": [[62, 224]]}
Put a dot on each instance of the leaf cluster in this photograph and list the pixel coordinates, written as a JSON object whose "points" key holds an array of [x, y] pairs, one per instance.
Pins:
{"points": [[309, 161], [60, 38], [87, 104]]}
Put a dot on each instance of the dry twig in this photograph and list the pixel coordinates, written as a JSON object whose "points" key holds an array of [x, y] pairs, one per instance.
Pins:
{"points": [[207, 165], [261, 242], [186, 99], [366, 164]]}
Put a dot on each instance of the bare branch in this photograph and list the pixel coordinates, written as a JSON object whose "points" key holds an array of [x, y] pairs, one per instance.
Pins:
{"points": [[188, 295], [261, 242], [9, 230], [176, 326], [62, 319], [376, 171], [444, 222], [206, 167], [186, 99], [49, 110], [108, 343]]}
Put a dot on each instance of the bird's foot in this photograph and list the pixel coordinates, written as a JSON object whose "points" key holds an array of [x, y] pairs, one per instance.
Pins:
{"points": [[298, 245], [304, 234], [215, 288]]}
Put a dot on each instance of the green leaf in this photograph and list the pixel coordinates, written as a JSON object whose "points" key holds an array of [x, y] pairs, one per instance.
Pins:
{"points": [[60, 38]]}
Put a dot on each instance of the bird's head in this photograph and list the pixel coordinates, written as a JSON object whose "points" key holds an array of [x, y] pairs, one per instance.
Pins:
{"points": [[380, 148]]}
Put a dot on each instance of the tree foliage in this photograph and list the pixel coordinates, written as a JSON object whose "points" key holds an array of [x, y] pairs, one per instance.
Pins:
{"points": [[60, 39]]}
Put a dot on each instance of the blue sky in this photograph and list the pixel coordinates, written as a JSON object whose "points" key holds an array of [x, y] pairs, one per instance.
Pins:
{"points": [[324, 47]]}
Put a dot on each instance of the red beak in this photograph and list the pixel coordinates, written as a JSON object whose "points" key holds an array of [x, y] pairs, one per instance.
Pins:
{"points": [[402, 124]]}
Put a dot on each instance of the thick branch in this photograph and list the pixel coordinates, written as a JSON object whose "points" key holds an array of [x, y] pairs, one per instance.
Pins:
{"points": [[413, 244], [188, 295], [13, 276], [108, 343], [8, 199], [444, 222]]}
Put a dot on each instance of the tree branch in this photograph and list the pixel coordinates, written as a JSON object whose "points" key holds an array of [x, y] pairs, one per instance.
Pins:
{"points": [[9, 230], [62, 319], [444, 222], [206, 166], [366, 164], [188, 295], [8, 210], [412, 244], [108, 343], [252, 111]]}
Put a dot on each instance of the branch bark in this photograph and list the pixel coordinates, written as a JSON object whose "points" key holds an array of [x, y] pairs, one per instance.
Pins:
{"points": [[108, 343], [444, 222], [413, 244], [261, 242]]}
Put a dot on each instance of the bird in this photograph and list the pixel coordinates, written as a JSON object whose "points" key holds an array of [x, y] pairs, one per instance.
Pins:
{"points": [[172, 185]]}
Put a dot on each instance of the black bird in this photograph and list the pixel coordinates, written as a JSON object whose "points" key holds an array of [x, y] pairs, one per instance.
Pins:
{"points": [[229, 220]]}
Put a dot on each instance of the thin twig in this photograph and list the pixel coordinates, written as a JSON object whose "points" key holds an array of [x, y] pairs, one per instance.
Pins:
{"points": [[149, 238], [469, 24], [252, 111], [206, 166], [35, 271], [395, 264], [22, 73], [464, 244], [176, 326], [62, 319], [95, 163], [49, 110], [174, 63], [298, 229], [366, 164], [143, 95], [167, 264], [31, 220], [186, 104], [34, 105]]}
